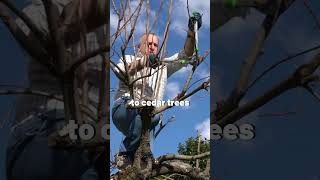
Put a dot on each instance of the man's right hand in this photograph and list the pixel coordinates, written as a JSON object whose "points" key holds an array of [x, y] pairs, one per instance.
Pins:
{"points": [[154, 61], [196, 17]]}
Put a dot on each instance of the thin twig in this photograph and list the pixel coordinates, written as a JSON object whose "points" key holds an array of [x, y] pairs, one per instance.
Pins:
{"points": [[314, 16], [312, 92], [278, 63], [27, 91], [188, 8]]}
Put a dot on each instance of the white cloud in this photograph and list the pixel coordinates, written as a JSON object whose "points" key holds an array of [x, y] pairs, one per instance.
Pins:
{"points": [[172, 89], [113, 21], [204, 128], [236, 26], [203, 72], [183, 72]]}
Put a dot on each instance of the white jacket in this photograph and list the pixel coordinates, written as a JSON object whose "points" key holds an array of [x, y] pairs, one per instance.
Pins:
{"points": [[156, 82]]}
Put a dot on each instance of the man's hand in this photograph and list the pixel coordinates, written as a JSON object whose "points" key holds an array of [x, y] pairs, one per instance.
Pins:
{"points": [[154, 61], [196, 17]]}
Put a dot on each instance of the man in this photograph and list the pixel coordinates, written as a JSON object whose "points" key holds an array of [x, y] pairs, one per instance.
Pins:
{"points": [[145, 64]]}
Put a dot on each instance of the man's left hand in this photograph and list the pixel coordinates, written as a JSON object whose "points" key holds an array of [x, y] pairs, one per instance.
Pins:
{"points": [[196, 17]]}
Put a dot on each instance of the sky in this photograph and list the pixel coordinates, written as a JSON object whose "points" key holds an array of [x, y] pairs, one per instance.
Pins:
{"points": [[12, 72], [187, 119], [285, 147]]}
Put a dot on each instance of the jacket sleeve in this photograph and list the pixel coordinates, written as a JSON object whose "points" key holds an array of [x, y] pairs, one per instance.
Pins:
{"points": [[120, 69], [175, 63]]}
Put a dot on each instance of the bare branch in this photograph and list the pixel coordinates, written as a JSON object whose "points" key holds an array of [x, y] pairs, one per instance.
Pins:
{"points": [[94, 16], [115, 8], [195, 65], [298, 78], [162, 126], [27, 91], [104, 93], [278, 63], [179, 168], [249, 63], [86, 57], [145, 76], [170, 157], [69, 87], [188, 8], [163, 108], [29, 43], [33, 28], [309, 88], [157, 15], [314, 16], [201, 79]]}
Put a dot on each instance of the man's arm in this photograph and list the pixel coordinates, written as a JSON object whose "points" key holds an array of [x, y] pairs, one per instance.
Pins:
{"points": [[189, 44], [133, 64]]}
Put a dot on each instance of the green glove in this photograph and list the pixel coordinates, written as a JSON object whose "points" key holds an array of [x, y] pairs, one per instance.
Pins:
{"points": [[232, 3], [154, 61], [183, 61], [196, 17]]}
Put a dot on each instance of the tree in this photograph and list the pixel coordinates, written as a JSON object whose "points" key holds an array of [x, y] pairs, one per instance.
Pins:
{"points": [[244, 97], [229, 110], [52, 49], [167, 164], [190, 147]]}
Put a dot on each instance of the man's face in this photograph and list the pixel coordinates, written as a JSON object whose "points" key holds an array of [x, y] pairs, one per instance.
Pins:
{"points": [[150, 44]]}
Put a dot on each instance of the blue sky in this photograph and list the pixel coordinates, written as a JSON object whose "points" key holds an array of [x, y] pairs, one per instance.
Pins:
{"points": [[285, 147], [187, 119], [12, 72]]}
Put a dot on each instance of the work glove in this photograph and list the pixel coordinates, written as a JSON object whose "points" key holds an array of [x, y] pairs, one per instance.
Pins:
{"points": [[154, 61], [196, 17]]}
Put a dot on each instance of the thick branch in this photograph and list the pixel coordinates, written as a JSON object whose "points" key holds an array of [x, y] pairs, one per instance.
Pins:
{"points": [[30, 92], [179, 168], [94, 15], [249, 63], [298, 78], [29, 43], [182, 157], [33, 28], [86, 57]]}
